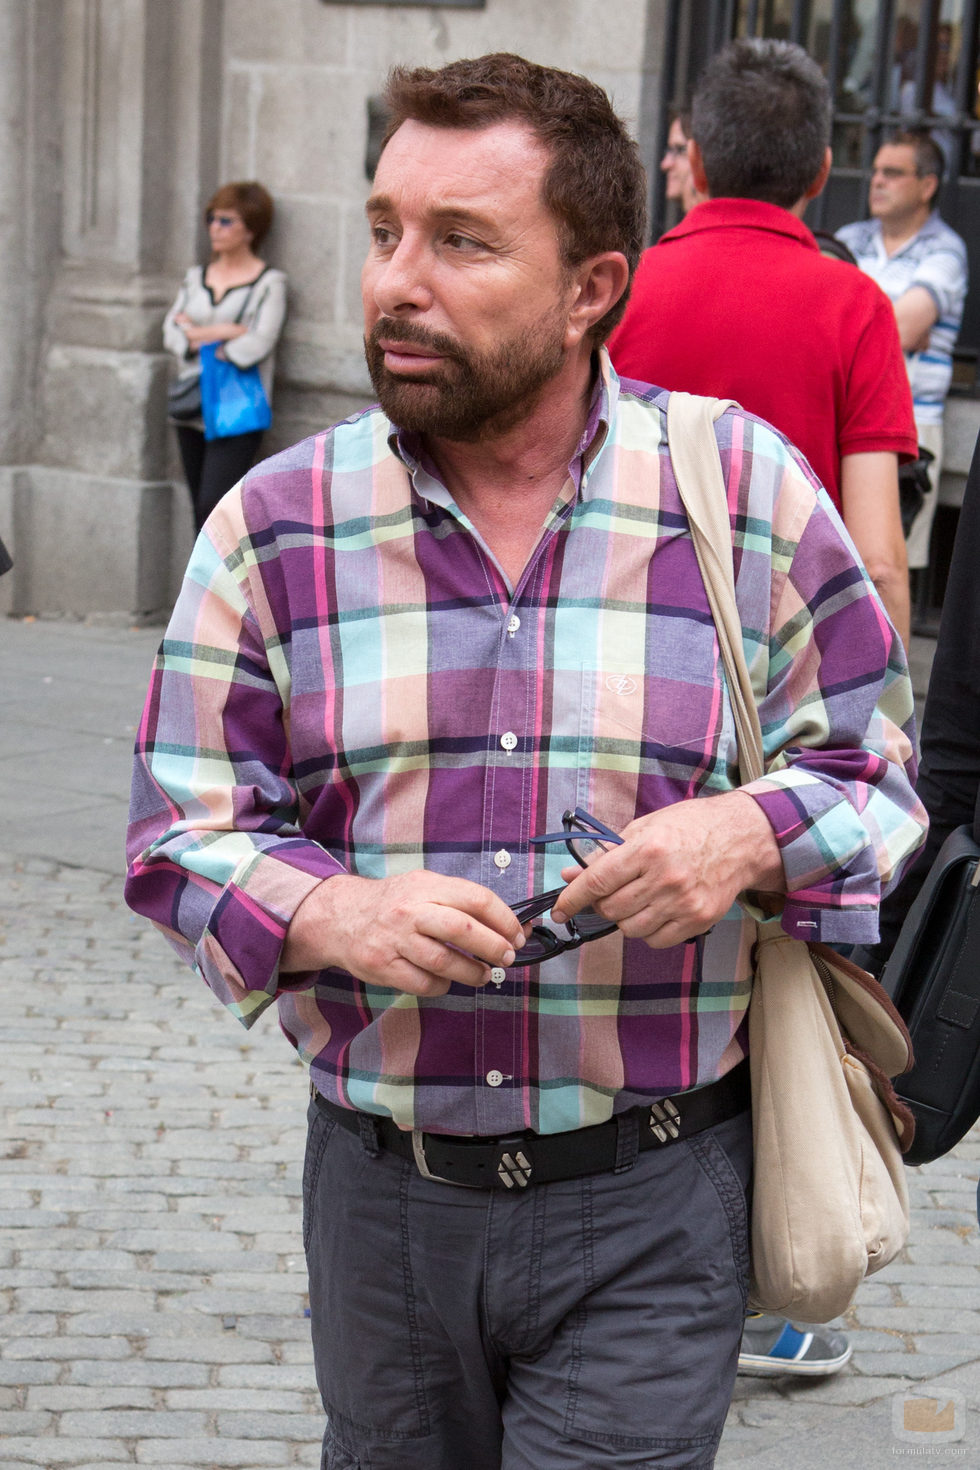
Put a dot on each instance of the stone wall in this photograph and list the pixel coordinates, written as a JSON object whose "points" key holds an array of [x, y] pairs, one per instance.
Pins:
{"points": [[120, 118], [295, 116]]}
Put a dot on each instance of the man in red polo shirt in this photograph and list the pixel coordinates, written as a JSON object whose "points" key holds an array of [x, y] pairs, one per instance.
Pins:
{"points": [[738, 301]]}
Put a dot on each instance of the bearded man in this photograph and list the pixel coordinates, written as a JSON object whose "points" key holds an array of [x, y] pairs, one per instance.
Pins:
{"points": [[420, 662]]}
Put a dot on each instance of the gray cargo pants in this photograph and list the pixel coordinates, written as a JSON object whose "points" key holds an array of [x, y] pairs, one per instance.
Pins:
{"points": [[569, 1326]]}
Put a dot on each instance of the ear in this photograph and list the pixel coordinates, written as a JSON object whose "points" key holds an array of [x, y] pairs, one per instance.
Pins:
{"points": [[697, 169], [818, 184], [599, 283], [929, 194]]}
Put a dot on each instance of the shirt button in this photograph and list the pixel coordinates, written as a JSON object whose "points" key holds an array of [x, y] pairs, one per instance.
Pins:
{"points": [[502, 859], [495, 1078], [513, 625], [509, 740], [497, 975]]}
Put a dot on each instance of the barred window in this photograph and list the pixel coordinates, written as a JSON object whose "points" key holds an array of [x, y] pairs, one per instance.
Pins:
{"points": [[890, 64]]}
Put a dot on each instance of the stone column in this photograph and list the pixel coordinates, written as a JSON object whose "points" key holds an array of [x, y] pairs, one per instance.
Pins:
{"points": [[99, 521], [14, 282], [29, 141]]}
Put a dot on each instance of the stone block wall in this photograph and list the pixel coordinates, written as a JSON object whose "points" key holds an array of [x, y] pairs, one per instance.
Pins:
{"points": [[298, 76], [124, 117]]}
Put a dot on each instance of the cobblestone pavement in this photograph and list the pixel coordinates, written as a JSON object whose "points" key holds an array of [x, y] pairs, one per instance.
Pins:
{"points": [[151, 1272], [150, 1235]]}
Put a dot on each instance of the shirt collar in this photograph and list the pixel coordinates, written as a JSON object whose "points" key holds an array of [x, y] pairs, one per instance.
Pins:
{"points": [[925, 231], [409, 446], [753, 214]]}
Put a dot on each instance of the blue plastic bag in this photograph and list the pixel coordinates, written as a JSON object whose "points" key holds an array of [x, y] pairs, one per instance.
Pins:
{"points": [[233, 399]]}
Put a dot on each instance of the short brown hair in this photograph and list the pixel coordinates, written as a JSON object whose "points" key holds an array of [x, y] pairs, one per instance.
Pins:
{"points": [[680, 114], [594, 185], [929, 158], [251, 201], [761, 119]]}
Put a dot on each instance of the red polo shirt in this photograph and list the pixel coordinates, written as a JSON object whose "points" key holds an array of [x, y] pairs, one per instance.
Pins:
{"points": [[738, 302]]}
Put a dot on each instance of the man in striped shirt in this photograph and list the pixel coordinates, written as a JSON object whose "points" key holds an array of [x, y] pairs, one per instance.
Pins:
{"points": [[466, 618], [921, 265]]}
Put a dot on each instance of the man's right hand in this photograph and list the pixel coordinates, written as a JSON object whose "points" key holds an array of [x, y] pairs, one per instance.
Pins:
{"points": [[418, 932]]}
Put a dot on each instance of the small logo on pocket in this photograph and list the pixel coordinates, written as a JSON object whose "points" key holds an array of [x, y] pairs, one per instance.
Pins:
{"points": [[621, 684], [925, 1420]]}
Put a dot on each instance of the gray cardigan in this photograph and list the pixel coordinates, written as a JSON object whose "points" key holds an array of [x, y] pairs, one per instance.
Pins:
{"points": [[264, 300]]}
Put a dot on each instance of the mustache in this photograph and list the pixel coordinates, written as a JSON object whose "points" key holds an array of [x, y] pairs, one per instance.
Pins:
{"points": [[398, 331]]}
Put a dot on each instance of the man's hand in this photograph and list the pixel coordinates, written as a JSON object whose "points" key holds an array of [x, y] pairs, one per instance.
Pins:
{"points": [[417, 932], [678, 870]]}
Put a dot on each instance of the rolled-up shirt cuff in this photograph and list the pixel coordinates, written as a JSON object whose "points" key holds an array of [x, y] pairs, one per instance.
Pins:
{"points": [[240, 951], [832, 881]]}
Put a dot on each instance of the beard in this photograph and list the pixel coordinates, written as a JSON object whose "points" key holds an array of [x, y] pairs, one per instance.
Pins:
{"points": [[468, 395]]}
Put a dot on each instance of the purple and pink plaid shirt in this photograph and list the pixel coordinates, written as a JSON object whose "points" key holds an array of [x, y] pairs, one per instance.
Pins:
{"points": [[349, 683]]}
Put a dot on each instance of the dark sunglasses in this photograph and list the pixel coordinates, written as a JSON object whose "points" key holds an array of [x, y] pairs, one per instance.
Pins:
{"points": [[583, 836], [224, 220]]}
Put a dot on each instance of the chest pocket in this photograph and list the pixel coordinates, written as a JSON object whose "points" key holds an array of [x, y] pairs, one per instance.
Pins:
{"points": [[657, 724]]}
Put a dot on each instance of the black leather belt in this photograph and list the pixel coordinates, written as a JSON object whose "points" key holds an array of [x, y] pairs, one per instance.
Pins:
{"points": [[520, 1159]]}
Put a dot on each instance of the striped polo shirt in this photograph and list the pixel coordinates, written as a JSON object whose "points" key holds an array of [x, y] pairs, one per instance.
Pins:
{"points": [[935, 259]]}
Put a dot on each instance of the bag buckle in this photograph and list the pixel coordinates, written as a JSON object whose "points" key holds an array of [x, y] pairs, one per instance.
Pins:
{"points": [[665, 1121]]}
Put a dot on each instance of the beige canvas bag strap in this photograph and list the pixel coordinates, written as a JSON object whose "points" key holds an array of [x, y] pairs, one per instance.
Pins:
{"points": [[701, 486]]}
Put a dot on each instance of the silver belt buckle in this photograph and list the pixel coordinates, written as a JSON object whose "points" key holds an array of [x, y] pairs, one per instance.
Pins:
{"points": [[515, 1169], [665, 1120], [421, 1163]]}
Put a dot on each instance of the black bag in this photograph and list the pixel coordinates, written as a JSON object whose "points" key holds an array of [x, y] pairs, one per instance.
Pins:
{"points": [[184, 399], [913, 486], [933, 976]]}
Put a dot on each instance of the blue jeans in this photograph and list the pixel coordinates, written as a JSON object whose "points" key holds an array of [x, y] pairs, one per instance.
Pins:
{"points": [[569, 1326]]}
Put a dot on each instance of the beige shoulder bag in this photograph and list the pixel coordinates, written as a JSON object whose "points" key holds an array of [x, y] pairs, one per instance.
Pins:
{"points": [[830, 1203]]}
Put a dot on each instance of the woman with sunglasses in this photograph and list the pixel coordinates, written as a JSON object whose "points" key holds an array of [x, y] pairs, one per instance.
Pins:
{"points": [[675, 165], [236, 300]]}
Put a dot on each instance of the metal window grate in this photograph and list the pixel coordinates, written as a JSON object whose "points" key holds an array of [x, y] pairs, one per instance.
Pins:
{"points": [[454, 4], [890, 63]]}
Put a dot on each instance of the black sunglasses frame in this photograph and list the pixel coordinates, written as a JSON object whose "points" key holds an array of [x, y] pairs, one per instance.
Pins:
{"points": [[575, 824], [531, 909], [579, 823]]}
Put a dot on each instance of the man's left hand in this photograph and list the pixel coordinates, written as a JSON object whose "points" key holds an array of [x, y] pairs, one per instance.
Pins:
{"points": [[679, 869]]}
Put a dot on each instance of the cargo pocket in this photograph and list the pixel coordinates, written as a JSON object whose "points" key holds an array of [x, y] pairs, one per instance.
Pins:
{"points": [[713, 1157], [364, 1313], [320, 1127]]}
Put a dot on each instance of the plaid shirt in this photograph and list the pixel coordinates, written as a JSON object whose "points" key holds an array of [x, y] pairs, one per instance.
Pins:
{"points": [[349, 684]]}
